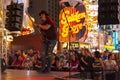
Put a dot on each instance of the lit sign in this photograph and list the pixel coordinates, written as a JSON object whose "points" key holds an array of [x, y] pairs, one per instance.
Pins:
{"points": [[93, 10], [70, 18], [84, 45], [109, 47], [74, 45]]}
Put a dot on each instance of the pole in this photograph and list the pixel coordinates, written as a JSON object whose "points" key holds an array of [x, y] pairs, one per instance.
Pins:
{"points": [[68, 40]]}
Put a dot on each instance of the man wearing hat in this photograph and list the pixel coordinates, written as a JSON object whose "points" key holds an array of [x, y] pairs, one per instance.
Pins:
{"points": [[49, 34]]}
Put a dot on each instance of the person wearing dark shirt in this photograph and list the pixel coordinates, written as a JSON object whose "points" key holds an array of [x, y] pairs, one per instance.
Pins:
{"points": [[98, 65], [49, 35]]}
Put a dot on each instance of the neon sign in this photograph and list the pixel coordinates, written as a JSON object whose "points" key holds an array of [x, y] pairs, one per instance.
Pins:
{"points": [[70, 18], [93, 10]]}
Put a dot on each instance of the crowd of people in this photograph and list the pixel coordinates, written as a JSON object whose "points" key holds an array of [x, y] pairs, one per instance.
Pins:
{"points": [[81, 60]]}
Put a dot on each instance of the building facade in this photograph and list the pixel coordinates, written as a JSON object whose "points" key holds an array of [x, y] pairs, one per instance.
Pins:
{"points": [[51, 6]]}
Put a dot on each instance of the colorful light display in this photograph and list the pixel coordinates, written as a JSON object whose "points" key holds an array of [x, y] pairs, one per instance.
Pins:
{"points": [[83, 22], [1, 14], [115, 39]]}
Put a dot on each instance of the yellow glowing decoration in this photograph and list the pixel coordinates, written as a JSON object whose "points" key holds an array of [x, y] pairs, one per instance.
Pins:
{"points": [[65, 44], [109, 47], [65, 30], [1, 15], [64, 18], [27, 27], [70, 18], [91, 14], [30, 22], [76, 28]]}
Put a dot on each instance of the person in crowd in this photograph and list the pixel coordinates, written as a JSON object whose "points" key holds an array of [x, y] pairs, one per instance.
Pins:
{"points": [[89, 59], [55, 62], [30, 52], [23, 55], [60, 62], [105, 55], [37, 61], [10, 59], [26, 63], [82, 67], [74, 62], [110, 67], [98, 66], [37, 64], [80, 57], [49, 35], [17, 63], [66, 65], [17, 54], [30, 59]]}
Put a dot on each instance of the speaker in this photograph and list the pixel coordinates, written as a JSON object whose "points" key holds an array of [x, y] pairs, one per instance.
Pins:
{"points": [[14, 17], [108, 12]]}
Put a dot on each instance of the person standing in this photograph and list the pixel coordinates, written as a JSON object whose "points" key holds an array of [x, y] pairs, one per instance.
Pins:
{"points": [[49, 35], [111, 67], [98, 66]]}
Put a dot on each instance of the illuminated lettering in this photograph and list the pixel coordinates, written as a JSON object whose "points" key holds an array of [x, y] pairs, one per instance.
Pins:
{"points": [[73, 17], [64, 21], [65, 30], [75, 29], [74, 21]]}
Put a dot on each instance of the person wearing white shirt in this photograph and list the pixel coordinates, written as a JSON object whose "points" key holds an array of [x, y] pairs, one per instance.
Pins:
{"points": [[110, 67]]}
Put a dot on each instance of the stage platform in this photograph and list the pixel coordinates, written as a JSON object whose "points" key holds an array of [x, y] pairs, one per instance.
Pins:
{"points": [[33, 75]]}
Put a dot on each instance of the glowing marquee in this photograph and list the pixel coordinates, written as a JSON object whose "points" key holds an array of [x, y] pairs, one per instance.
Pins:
{"points": [[70, 18]]}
